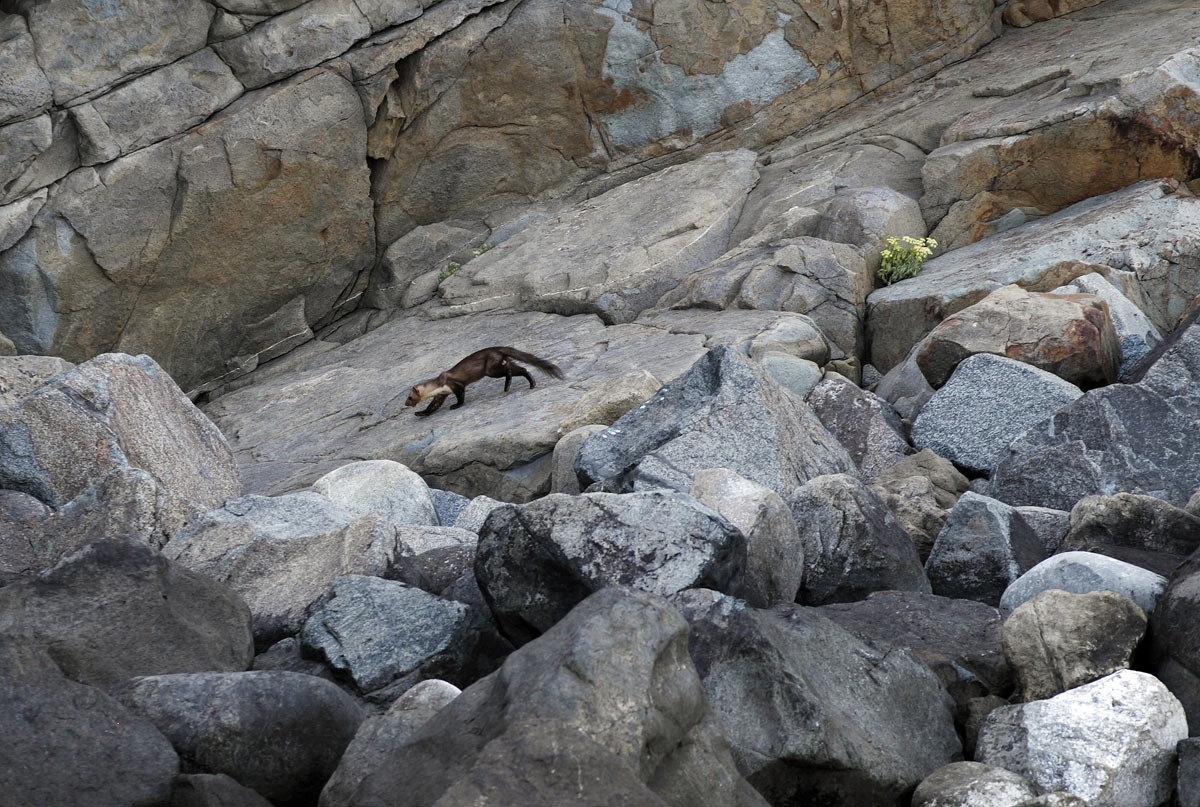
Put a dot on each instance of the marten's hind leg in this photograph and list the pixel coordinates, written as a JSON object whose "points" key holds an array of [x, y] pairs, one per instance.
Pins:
{"points": [[521, 371], [438, 400], [460, 392]]}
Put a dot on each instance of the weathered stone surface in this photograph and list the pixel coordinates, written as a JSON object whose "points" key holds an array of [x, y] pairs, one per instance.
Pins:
{"points": [[383, 633], [24, 89], [1134, 528], [432, 558], [913, 502], [866, 425], [972, 784], [384, 488], [281, 554], [1022, 13], [14, 223], [951, 636], [347, 404], [213, 790], [616, 254], [604, 405], [853, 545], [476, 512], [797, 376], [1137, 334], [774, 551], [72, 745], [1070, 336], [754, 332], [447, 504], [905, 387], [1176, 645], [828, 282], [948, 483], [168, 250], [21, 516], [182, 94], [867, 217], [112, 413], [82, 50], [35, 153], [812, 711], [294, 40], [609, 692], [278, 733], [566, 450], [1110, 742], [1050, 525], [1083, 572], [421, 251], [537, 561], [723, 413], [116, 609], [1135, 438], [1057, 640], [983, 548], [378, 734], [984, 406], [1044, 255], [21, 375]]}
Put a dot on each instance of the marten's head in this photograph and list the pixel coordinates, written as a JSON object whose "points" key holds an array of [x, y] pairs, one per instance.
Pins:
{"points": [[422, 391], [414, 396]]}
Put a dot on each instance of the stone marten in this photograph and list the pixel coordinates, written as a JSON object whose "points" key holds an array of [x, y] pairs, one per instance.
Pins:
{"points": [[493, 362]]}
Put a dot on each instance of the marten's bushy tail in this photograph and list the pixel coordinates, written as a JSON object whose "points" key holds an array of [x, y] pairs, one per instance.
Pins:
{"points": [[529, 358]]}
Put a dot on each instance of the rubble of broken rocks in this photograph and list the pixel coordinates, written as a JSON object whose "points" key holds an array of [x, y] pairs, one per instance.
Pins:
{"points": [[744, 596]]}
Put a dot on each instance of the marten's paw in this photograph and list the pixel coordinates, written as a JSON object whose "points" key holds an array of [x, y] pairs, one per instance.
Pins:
{"points": [[425, 413]]}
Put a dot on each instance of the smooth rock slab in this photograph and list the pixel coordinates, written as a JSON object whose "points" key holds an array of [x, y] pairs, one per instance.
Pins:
{"points": [[1110, 742], [1081, 572], [988, 402], [70, 745], [382, 633], [725, 412], [384, 488], [279, 733], [536, 561]]}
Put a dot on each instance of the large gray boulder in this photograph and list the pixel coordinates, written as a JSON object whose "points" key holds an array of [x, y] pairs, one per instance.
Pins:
{"points": [[608, 695], [984, 547], [1058, 640], [1134, 528], [853, 545], [616, 254], [1081, 572], [865, 424], [722, 413], [118, 608], [811, 711], [385, 635], [1175, 641], [1137, 333], [72, 745], [113, 412], [385, 488], [537, 561], [988, 401], [972, 784], [1133, 438], [281, 554], [1110, 742], [279, 733], [432, 558]]}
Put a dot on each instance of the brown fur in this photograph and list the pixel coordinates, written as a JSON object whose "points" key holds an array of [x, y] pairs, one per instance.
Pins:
{"points": [[491, 362]]}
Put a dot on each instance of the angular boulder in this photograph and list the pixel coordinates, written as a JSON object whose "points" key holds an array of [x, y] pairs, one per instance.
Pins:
{"points": [[865, 424], [972, 784], [1134, 528], [1110, 742], [811, 711], [537, 561], [1137, 334], [431, 558], [279, 733], [724, 412], [1082, 572]]}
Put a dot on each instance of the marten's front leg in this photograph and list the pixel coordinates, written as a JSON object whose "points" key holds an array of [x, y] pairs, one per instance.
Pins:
{"points": [[433, 407], [460, 392]]}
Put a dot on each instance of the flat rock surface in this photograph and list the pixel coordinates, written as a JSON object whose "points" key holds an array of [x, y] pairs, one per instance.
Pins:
{"points": [[348, 403]]}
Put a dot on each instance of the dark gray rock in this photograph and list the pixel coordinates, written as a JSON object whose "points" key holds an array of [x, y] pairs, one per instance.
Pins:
{"points": [[853, 545], [1050, 525], [279, 733], [1175, 640], [286, 654], [385, 634], [380, 733], [281, 553], [20, 518], [988, 401], [905, 387], [1135, 438], [724, 412], [118, 608], [1058, 640], [865, 424], [813, 714], [70, 745], [1138, 529], [213, 790], [1187, 780], [431, 558], [537, 561], [604, 708], [1081, 572], [562, 477], [983, 548], [971, 784], [447, 504], [958, 639]]}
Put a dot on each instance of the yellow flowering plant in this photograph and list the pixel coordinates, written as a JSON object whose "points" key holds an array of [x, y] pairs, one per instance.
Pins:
{"points": [[903, 257]]}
